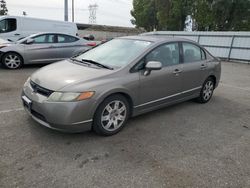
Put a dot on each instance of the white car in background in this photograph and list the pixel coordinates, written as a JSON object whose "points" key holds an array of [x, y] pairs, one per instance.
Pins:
{"points": [[13, 28]]}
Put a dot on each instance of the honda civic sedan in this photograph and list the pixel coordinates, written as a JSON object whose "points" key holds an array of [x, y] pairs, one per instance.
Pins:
{"points": [[41, 48], [101, 88]]}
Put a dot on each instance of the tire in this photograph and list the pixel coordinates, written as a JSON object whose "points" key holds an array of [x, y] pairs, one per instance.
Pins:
{"points": [[207, 90], [12, 60], [111, 115]]}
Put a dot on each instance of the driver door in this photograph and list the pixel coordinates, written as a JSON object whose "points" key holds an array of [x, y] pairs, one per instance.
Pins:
{"points": [[42, 50], [161, 86]]}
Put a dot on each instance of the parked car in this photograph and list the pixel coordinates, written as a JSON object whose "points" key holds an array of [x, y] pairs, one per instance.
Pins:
{"points": [[103, 87], [41, 48], [14, 28]]}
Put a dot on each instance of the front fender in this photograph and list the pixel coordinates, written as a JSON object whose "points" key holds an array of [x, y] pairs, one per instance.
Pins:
{"points": [[102, 96]]}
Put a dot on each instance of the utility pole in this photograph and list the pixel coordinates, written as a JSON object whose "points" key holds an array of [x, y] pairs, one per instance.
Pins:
{"points": [[66, 11], [73, 11], [92, 13], [155, 17]]}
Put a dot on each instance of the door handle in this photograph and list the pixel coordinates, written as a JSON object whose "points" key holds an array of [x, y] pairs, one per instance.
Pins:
{"points": [[177, 71], [203, 66], [17, 34]]}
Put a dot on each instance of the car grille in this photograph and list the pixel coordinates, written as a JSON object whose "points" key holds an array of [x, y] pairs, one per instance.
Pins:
{"points": [[41, 90]]}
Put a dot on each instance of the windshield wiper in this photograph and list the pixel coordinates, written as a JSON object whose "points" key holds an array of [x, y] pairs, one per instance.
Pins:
{"points": [[79, 61], [97, 64]]}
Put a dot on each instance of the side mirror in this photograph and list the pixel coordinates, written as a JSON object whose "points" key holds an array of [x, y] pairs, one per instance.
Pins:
{"points": [[29, 41], [152, 65], [89, 37]]}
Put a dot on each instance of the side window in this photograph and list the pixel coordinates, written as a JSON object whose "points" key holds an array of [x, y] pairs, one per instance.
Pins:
{"points": [[66, 39], [7, 25], [51, 38], [44, 39], [192, 53], [40, 39], [167, 54]]}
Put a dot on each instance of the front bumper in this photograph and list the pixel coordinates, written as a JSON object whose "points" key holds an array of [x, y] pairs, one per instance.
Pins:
{"points": [[62, 116]]}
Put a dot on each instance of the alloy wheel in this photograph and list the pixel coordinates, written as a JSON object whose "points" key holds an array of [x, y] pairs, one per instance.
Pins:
{"points": [[113, 115], [208, 90], [12, 61]]}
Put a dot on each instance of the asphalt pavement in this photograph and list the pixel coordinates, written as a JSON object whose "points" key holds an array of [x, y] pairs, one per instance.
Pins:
{"points": [[185, 145]]}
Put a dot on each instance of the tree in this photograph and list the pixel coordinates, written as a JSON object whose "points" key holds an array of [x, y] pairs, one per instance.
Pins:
{"points": [[231, 15], [222, 10], [160, 14], [240, 18], [144, 14], [203, 14], [179, 10], [163, 13], [209, 15], [3, 8], [222, 15]]}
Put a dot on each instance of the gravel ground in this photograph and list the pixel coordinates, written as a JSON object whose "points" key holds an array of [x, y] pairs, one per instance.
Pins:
{"points": [[185, 145]]}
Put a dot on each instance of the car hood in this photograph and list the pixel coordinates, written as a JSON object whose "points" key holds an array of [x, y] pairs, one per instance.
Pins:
{"points": [[65, 73]]}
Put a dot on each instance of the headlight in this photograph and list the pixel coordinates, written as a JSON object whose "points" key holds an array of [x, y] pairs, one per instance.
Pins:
{"points": [[69, 97], [27, 82]]}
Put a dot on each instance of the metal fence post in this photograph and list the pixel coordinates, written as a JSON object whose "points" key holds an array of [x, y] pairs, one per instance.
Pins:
{"points": [[231, 47], [199, 36]]}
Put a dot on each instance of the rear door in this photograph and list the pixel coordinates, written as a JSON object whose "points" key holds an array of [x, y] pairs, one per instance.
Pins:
{"points": [[68, 46], [42, 50], [195, 68], [161, 86]]}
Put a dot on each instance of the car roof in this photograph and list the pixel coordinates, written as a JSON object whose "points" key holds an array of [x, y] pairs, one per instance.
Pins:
{"points": [[59, 33], [44, 33], [157, 38]]}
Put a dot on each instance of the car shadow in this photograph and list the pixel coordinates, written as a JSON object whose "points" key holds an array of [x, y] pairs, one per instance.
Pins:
{"points": [[92, 135], [29, 66], [33, 66]]}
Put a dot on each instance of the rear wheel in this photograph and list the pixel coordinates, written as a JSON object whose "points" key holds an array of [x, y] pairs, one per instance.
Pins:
{"points": [[12, 60], [111, 115], [206, 91]]}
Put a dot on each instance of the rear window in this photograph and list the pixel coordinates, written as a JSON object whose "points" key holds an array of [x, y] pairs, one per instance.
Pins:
{"points": [[66, 39], [7, 25], [192, 53]]}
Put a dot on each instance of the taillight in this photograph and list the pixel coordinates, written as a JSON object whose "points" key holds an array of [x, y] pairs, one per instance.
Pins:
{"points": [[91, 44]]}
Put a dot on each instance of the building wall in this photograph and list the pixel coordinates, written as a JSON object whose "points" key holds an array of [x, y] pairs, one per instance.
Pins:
{"points": [[102, 32], [102, 35]]}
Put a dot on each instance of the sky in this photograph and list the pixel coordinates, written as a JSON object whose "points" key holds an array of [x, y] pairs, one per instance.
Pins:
{"points": [[109, 12]]}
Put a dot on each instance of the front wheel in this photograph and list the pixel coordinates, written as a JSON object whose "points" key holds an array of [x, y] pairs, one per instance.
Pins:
{"points": [[206, 91], [111, 115], [12, 60]]}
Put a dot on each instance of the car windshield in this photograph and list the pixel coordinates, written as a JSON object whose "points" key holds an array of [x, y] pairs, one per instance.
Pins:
{"points": [[116, 53]]}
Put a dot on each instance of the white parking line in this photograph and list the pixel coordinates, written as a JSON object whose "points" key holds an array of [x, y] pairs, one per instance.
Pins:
{"points": [[11, 110], [235, 87]]}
